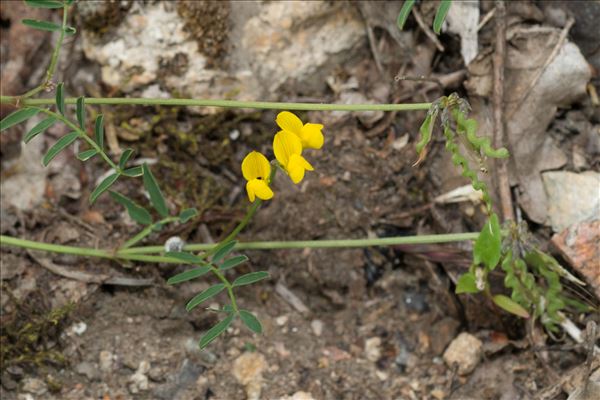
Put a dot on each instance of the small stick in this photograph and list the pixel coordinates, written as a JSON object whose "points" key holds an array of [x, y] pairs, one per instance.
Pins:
{"points": [[498, 100], [426, 29], [486, 19]]}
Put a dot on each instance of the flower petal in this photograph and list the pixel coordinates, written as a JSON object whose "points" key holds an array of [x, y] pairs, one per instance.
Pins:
{"points": [[258, 188], [311, 136], [289, 122], [255, 165], [297, 166], [285, 144]]}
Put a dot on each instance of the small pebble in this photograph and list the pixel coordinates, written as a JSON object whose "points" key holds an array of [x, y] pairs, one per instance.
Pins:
{"points": [[465, 352], [373, 349], [317, 327]]}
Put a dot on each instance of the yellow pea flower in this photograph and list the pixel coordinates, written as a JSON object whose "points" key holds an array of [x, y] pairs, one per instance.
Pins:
{"points": [[310, 135], [257, 170], [288, 151]]}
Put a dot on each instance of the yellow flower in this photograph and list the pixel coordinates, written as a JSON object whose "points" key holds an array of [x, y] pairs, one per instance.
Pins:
{"points": [[257, 170], [288, 151], [310, 135]]}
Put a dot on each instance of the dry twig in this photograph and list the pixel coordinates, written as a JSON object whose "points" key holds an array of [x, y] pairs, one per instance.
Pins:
{"points": [[498, 99], [426, 29]]}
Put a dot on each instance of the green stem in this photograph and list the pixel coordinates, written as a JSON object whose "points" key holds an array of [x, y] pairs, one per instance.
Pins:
{"points": [[142, 253], [266, 105], [53, 61], [228, 285], [83, 135], [146, 231]]}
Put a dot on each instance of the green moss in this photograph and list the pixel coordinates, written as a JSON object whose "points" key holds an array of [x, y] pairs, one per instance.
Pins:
{"points": [[28, 328]]}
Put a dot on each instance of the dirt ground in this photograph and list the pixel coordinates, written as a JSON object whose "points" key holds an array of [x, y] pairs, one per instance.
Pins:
{"points": [[356, 324]]}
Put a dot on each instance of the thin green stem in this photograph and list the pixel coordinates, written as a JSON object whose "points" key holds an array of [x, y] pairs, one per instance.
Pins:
{"points": [[83, 135], [146, 231], [228, 285], [265, 105], [144, 253], [53, 61]]}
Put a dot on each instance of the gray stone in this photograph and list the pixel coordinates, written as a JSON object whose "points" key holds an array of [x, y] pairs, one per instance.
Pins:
{"points": [[34, 386], [572, 197], [89, 370]]}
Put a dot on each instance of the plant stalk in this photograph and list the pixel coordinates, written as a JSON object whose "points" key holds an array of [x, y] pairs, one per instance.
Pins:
{"points": [[146, 253], [264, 105]]}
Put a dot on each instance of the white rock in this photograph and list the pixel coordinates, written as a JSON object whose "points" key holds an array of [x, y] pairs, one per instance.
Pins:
{"points": [[139, 381], [281, 320], [298, 396], [247, 370], [317, 326], [276, 44], [572, 197], [373, 349], [464, 351]]}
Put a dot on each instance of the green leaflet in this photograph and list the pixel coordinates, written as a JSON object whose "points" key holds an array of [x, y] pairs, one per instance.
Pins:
{"points": [[99, 131], [135, 211], [60, 98], [87, 154], [404, 12], [250, 321], [59, 146], [187, 214], [125, 157], [39, 128], [204, 295], [233, 262], [42, 25], [488, 247], [81, 112], [103, 187], [156, 197], [44, 3], [509, 305], [215, 331], [467, 283], [250, 278], [440, 15], [223, 250], [188, 275], [17, 117]]}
